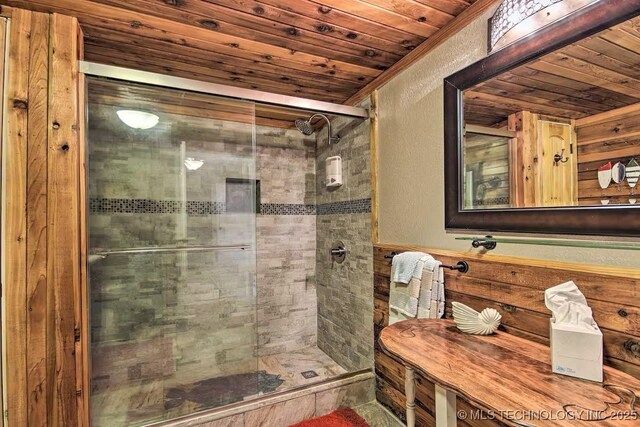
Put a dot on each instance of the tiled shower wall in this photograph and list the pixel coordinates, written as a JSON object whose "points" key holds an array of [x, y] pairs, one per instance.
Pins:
{"points": [[345, 291], [286, 233], [162, 320]]}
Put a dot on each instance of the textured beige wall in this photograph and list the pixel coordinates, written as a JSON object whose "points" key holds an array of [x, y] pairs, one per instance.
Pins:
{"points": [[411, 172]]}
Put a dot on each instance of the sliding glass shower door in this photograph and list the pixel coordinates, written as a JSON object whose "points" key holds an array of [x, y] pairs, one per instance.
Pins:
{"points": [[172, 264]]}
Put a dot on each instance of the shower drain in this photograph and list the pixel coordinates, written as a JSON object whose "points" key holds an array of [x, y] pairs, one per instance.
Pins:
{"points": [[309, 374]]}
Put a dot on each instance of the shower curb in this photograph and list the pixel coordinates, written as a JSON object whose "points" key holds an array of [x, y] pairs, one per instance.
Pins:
{"points": [[236, 409]]}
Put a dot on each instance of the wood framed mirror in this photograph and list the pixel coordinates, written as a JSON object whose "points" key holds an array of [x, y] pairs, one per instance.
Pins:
{"points": [[528, 128]]}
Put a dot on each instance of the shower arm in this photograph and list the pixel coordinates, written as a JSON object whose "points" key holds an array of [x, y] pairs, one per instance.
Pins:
{"points": [[328, 125]]}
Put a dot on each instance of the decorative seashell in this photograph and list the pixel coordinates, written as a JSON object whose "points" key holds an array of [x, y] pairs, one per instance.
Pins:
{"points": [[471, 322]]}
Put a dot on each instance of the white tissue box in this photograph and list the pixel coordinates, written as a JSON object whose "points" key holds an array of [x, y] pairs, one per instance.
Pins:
{"points": [[576, 352]]}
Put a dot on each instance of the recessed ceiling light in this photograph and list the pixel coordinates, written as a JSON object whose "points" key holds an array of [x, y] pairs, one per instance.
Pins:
{"points": [[138, 119], [193, 164]]}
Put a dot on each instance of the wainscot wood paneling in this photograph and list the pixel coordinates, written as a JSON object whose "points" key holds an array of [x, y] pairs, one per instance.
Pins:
{"points": [[321, 49], [41, 244], [611, 136], [515, 287]]}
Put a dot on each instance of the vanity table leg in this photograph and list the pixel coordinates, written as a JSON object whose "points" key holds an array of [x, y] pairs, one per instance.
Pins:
{"points": [[445, 407], [410, 394]]}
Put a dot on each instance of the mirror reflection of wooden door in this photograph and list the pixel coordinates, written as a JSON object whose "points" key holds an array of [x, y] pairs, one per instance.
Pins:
{"points": [[557, 179]]}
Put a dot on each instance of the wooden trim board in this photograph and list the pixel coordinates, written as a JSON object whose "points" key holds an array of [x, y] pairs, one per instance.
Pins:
{"points": [[41, 243], [373, 143]]}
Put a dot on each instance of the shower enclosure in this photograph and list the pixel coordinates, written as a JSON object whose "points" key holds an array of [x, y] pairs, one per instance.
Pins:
{"points": [[202, 253]]}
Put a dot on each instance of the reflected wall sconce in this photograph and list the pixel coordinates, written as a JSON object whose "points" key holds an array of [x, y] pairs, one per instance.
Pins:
{"points": [[517, 19], [138, 119]]}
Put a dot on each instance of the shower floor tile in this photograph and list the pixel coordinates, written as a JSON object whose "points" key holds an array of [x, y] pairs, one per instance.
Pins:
{"points": [[290, 366], [138, 402]]}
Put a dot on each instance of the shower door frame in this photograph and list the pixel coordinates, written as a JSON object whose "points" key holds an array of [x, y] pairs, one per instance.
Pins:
{"points": [[128, 75], [259, 97]]}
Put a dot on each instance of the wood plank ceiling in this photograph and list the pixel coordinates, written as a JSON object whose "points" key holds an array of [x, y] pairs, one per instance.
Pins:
{"points": [[596, 74], [320, 49]]}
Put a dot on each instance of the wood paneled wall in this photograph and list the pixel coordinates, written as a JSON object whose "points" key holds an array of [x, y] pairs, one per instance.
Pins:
{"points": [[612, 136], [515, 287], [41, 241]]}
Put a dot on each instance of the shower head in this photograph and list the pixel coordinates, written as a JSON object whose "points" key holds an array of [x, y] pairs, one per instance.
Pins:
{"points": [[305, 127]]}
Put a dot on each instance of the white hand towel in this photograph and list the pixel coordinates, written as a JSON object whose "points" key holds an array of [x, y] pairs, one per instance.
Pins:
{"points": [[431, 303], [403, 297], [406, 265]]}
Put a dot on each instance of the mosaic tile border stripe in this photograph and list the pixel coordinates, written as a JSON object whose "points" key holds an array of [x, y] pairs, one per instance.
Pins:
{"points": [[286, 209], [345, 207], [193, 207]]}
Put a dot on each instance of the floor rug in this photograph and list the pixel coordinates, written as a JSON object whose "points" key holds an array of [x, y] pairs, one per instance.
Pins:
{"points": [[344, 417]]}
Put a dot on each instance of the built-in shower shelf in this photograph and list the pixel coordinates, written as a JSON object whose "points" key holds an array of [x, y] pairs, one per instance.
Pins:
{"points": [[167, 249]]}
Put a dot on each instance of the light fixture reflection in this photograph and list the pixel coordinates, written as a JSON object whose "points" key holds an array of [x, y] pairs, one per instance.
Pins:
{"points": [[138, 119], [193, 164]]}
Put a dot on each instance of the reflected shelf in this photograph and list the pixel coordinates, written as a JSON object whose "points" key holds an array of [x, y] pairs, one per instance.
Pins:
{"points": [[553, 242]]}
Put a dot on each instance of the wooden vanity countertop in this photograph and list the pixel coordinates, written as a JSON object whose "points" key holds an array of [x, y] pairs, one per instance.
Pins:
{"points": [[509, 377]]}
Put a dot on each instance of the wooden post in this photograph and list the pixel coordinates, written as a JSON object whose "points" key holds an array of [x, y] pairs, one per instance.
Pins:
{"points": [[410, 394], [63, 249], [373, 143], [14, 247], [40, 236], [445, 407]]}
